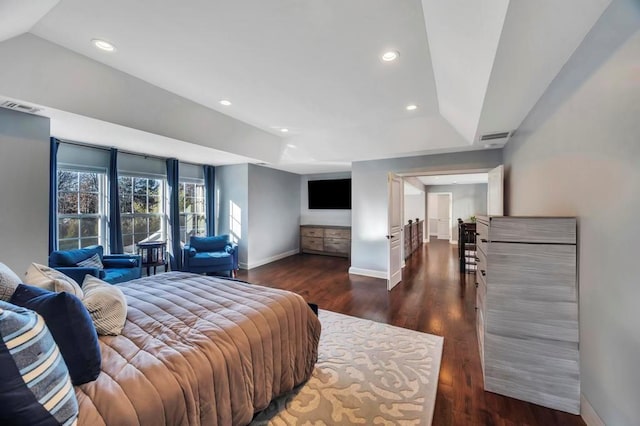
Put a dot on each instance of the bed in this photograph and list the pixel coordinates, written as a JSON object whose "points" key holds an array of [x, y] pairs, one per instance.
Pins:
{"points": [[199, 350]]}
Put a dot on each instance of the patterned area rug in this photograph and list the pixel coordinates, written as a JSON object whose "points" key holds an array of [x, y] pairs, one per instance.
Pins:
{"points": [[367, 373]]}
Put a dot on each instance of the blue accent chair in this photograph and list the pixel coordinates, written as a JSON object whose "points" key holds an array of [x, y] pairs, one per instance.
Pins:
{"points": [[118, 268], [210, 255]]}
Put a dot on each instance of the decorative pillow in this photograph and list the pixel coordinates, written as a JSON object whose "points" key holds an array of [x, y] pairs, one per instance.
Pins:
{"points": [[52, 280], [106, 305], [34, 381], [207, 244], [71, 327], [92, 262], [122, 262], [8, 282], [72, 257]]}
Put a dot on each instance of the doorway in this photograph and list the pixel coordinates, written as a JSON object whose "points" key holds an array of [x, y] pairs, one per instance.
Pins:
{"points": [[439, 215]]}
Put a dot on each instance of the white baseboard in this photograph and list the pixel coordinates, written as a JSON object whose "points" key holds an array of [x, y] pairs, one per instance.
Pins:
{"points": [[368, 272], [268, 259], [588, 414]]}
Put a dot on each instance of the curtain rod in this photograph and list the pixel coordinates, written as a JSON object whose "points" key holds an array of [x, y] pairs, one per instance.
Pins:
{"points": [[103, 148]]}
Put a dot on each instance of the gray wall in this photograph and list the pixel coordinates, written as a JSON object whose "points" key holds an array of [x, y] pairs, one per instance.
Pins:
{"points": [[578, 154], [232, 186], [24, 185], [321, 217], [274, 215], [369, 199], [468, 200]]}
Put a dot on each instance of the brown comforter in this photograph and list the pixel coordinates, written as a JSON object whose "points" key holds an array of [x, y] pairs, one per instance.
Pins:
{"points": [[199, 350]]}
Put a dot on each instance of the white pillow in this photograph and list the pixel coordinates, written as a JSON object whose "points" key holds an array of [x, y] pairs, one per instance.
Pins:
{"points": [[106, 305], [9, 281], [52, 280]]}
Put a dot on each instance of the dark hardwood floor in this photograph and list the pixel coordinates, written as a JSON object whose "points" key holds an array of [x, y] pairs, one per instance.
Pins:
{"points": [[433, 297]]}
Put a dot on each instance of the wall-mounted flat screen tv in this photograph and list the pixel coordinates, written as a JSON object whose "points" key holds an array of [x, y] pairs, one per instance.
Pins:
{"points": [[330, 194]]}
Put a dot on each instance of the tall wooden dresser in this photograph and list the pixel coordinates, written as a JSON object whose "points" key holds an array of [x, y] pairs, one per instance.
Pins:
{"points": [[527, 309]]}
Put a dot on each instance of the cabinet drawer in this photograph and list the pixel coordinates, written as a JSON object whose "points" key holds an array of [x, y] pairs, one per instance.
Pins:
{"points": [[337, 233], [312, 243], [553, 230], [336, 245], [312, 232], [482, 235]]}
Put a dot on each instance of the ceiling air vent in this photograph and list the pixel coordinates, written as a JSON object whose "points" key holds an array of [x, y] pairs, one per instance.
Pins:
{"points": [[494, 136], [16, 106]]}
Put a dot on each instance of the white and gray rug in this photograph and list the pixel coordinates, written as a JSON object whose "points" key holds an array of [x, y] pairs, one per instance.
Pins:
{"points": [[367, 373]]}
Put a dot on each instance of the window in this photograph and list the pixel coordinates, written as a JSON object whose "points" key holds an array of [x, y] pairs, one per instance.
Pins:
{"points": [[142, 210], [81, 217], [192, 210]]}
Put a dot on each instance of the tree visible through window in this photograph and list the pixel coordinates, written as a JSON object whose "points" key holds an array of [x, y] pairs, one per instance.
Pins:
{"points": [[192, 210], [80, 209], [142, 210]]}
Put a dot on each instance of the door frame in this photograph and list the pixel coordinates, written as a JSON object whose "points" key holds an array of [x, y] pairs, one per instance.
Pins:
{"points": [[450, 194]]}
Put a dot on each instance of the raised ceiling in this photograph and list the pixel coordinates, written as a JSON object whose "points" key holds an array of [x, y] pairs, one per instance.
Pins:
{"points": [[315, 69]]}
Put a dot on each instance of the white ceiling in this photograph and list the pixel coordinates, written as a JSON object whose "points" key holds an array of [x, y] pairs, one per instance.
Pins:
{"points": [[460, 179], [314, 67]]}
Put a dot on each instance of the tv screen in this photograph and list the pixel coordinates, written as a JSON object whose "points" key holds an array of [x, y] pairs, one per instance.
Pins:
{"points": [[330, 194]]}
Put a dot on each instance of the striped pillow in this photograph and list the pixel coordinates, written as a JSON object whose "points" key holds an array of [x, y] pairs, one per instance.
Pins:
{"points": [[92, 262], [106, 305], [35, 387]]}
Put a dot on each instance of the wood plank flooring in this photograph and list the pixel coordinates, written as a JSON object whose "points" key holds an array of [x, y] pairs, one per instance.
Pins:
{"points": [[433, 297]]}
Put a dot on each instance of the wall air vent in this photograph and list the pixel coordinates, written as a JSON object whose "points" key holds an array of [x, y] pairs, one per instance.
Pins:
{"points": [[494, 136], [17, 106]]}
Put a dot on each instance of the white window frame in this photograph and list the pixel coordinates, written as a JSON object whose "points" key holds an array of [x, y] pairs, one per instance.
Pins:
{"points": [[163, 215], [102, 205], [182, 212]]}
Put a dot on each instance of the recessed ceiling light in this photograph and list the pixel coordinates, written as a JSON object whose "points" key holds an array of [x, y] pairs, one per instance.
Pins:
{"points": [[225, 102], [390, 56], [103, 45], [412, 107], [290, 145], [284, 130], [455, 182]]}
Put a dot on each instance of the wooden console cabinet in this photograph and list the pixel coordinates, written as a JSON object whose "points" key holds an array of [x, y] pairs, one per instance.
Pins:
{"points": [[327, 240]]}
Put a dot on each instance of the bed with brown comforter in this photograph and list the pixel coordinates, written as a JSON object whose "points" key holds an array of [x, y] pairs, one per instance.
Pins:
{"points": [[199, 350]]}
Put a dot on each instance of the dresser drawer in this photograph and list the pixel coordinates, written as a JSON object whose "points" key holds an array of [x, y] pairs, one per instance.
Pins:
{"points": [[337, 233], [312, 243], [482, 235], [312, 232], [548, 230], [336, 245]]}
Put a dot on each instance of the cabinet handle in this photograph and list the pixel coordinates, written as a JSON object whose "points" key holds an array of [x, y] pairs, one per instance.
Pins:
{"points": [[477, 259], [477, 285], [477, 234], [483, 272], [483, 240]]}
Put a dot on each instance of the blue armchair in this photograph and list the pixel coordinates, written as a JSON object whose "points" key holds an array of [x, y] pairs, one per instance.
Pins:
{"points": [[210, 255], [118, 268]]}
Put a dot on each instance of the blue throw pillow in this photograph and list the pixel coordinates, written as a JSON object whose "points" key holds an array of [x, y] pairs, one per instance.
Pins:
{"points": [[71, 327], [207, 244], [34, 382], [120, 263], [73, 257]]}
